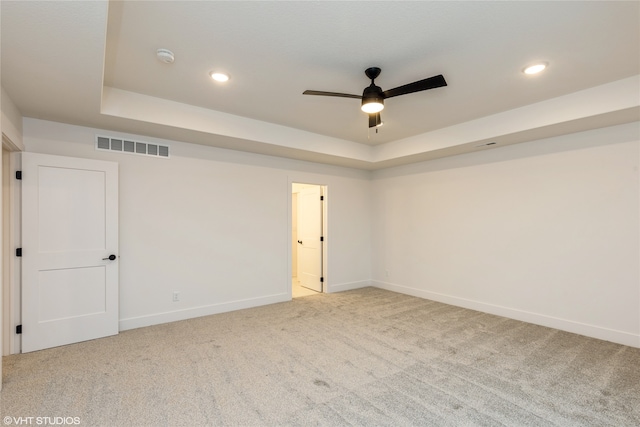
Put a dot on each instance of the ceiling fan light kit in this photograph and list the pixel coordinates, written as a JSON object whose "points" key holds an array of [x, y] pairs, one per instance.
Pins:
{"points": [[371, 101], [373, 97]]}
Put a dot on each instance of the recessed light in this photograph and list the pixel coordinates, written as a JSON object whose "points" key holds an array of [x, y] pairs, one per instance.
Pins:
{"points": [[535, 68], [219, 77]]}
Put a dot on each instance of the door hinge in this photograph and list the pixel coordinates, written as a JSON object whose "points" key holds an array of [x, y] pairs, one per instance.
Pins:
{"points": [[322, 238], [18, 329], [18, 251], [322, 280], [18, 174], [321, 197]]}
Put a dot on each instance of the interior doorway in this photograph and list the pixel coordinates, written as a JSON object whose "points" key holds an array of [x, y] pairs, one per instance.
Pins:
{"points": [[308, 235]]}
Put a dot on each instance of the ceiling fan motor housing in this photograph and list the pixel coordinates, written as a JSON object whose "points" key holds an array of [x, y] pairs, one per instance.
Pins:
{"points": [[372, 94]]}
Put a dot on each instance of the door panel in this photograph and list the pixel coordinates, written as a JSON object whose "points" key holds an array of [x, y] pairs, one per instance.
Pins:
{"points": [[69, 225], [309, 233], [77, 292], [63, 224]]}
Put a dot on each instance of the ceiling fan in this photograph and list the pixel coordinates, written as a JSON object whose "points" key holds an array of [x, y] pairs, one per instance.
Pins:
{"points": [[373, 97]]}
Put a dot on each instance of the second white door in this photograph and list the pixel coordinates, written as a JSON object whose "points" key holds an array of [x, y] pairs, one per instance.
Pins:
{"points": [[309, 238]]}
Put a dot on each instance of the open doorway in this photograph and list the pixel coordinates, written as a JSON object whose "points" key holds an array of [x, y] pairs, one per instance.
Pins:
{"points": [[307, 250]]}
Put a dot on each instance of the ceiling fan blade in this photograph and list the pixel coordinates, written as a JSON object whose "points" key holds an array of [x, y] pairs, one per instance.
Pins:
{"points": [[375, 120], [430, 83], [341, 95]]}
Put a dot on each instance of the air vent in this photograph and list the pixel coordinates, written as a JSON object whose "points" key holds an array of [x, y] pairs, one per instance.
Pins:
{"points": [[122, 145]]}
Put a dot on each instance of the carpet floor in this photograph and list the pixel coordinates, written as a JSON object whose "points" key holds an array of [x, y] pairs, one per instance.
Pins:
{"points": [[367, 357]]}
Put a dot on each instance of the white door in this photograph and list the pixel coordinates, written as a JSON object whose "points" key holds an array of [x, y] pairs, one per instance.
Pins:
{"points": [[69, 234], [309, 234]]}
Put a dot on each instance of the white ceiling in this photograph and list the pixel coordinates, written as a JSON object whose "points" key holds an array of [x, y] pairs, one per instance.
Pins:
{"points": [[93, 63]]}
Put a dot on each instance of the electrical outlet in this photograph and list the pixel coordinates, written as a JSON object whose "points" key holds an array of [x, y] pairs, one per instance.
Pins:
{"points": [[386, 273], [176, 296]]}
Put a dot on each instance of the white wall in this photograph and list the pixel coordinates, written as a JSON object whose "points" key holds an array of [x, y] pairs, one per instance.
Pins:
{"points": [[545, 231], [213, 224]]}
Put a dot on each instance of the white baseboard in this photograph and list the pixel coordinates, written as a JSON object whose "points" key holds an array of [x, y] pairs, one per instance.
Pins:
{"points": [[190, 313], [619, 337], [340, 287]]}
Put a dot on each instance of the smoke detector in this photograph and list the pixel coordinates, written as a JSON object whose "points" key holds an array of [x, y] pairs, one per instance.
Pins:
{"points": [[165, 55]]}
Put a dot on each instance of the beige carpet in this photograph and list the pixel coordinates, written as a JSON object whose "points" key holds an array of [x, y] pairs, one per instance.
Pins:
{"points": [[367, 357]]}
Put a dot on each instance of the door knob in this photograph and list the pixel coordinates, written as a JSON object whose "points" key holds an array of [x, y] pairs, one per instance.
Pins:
{"points": [[300, 241], [110, 258]]}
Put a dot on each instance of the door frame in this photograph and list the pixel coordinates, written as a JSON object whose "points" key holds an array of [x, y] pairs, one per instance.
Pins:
{"points": [[325, 232], [10, 288]]}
